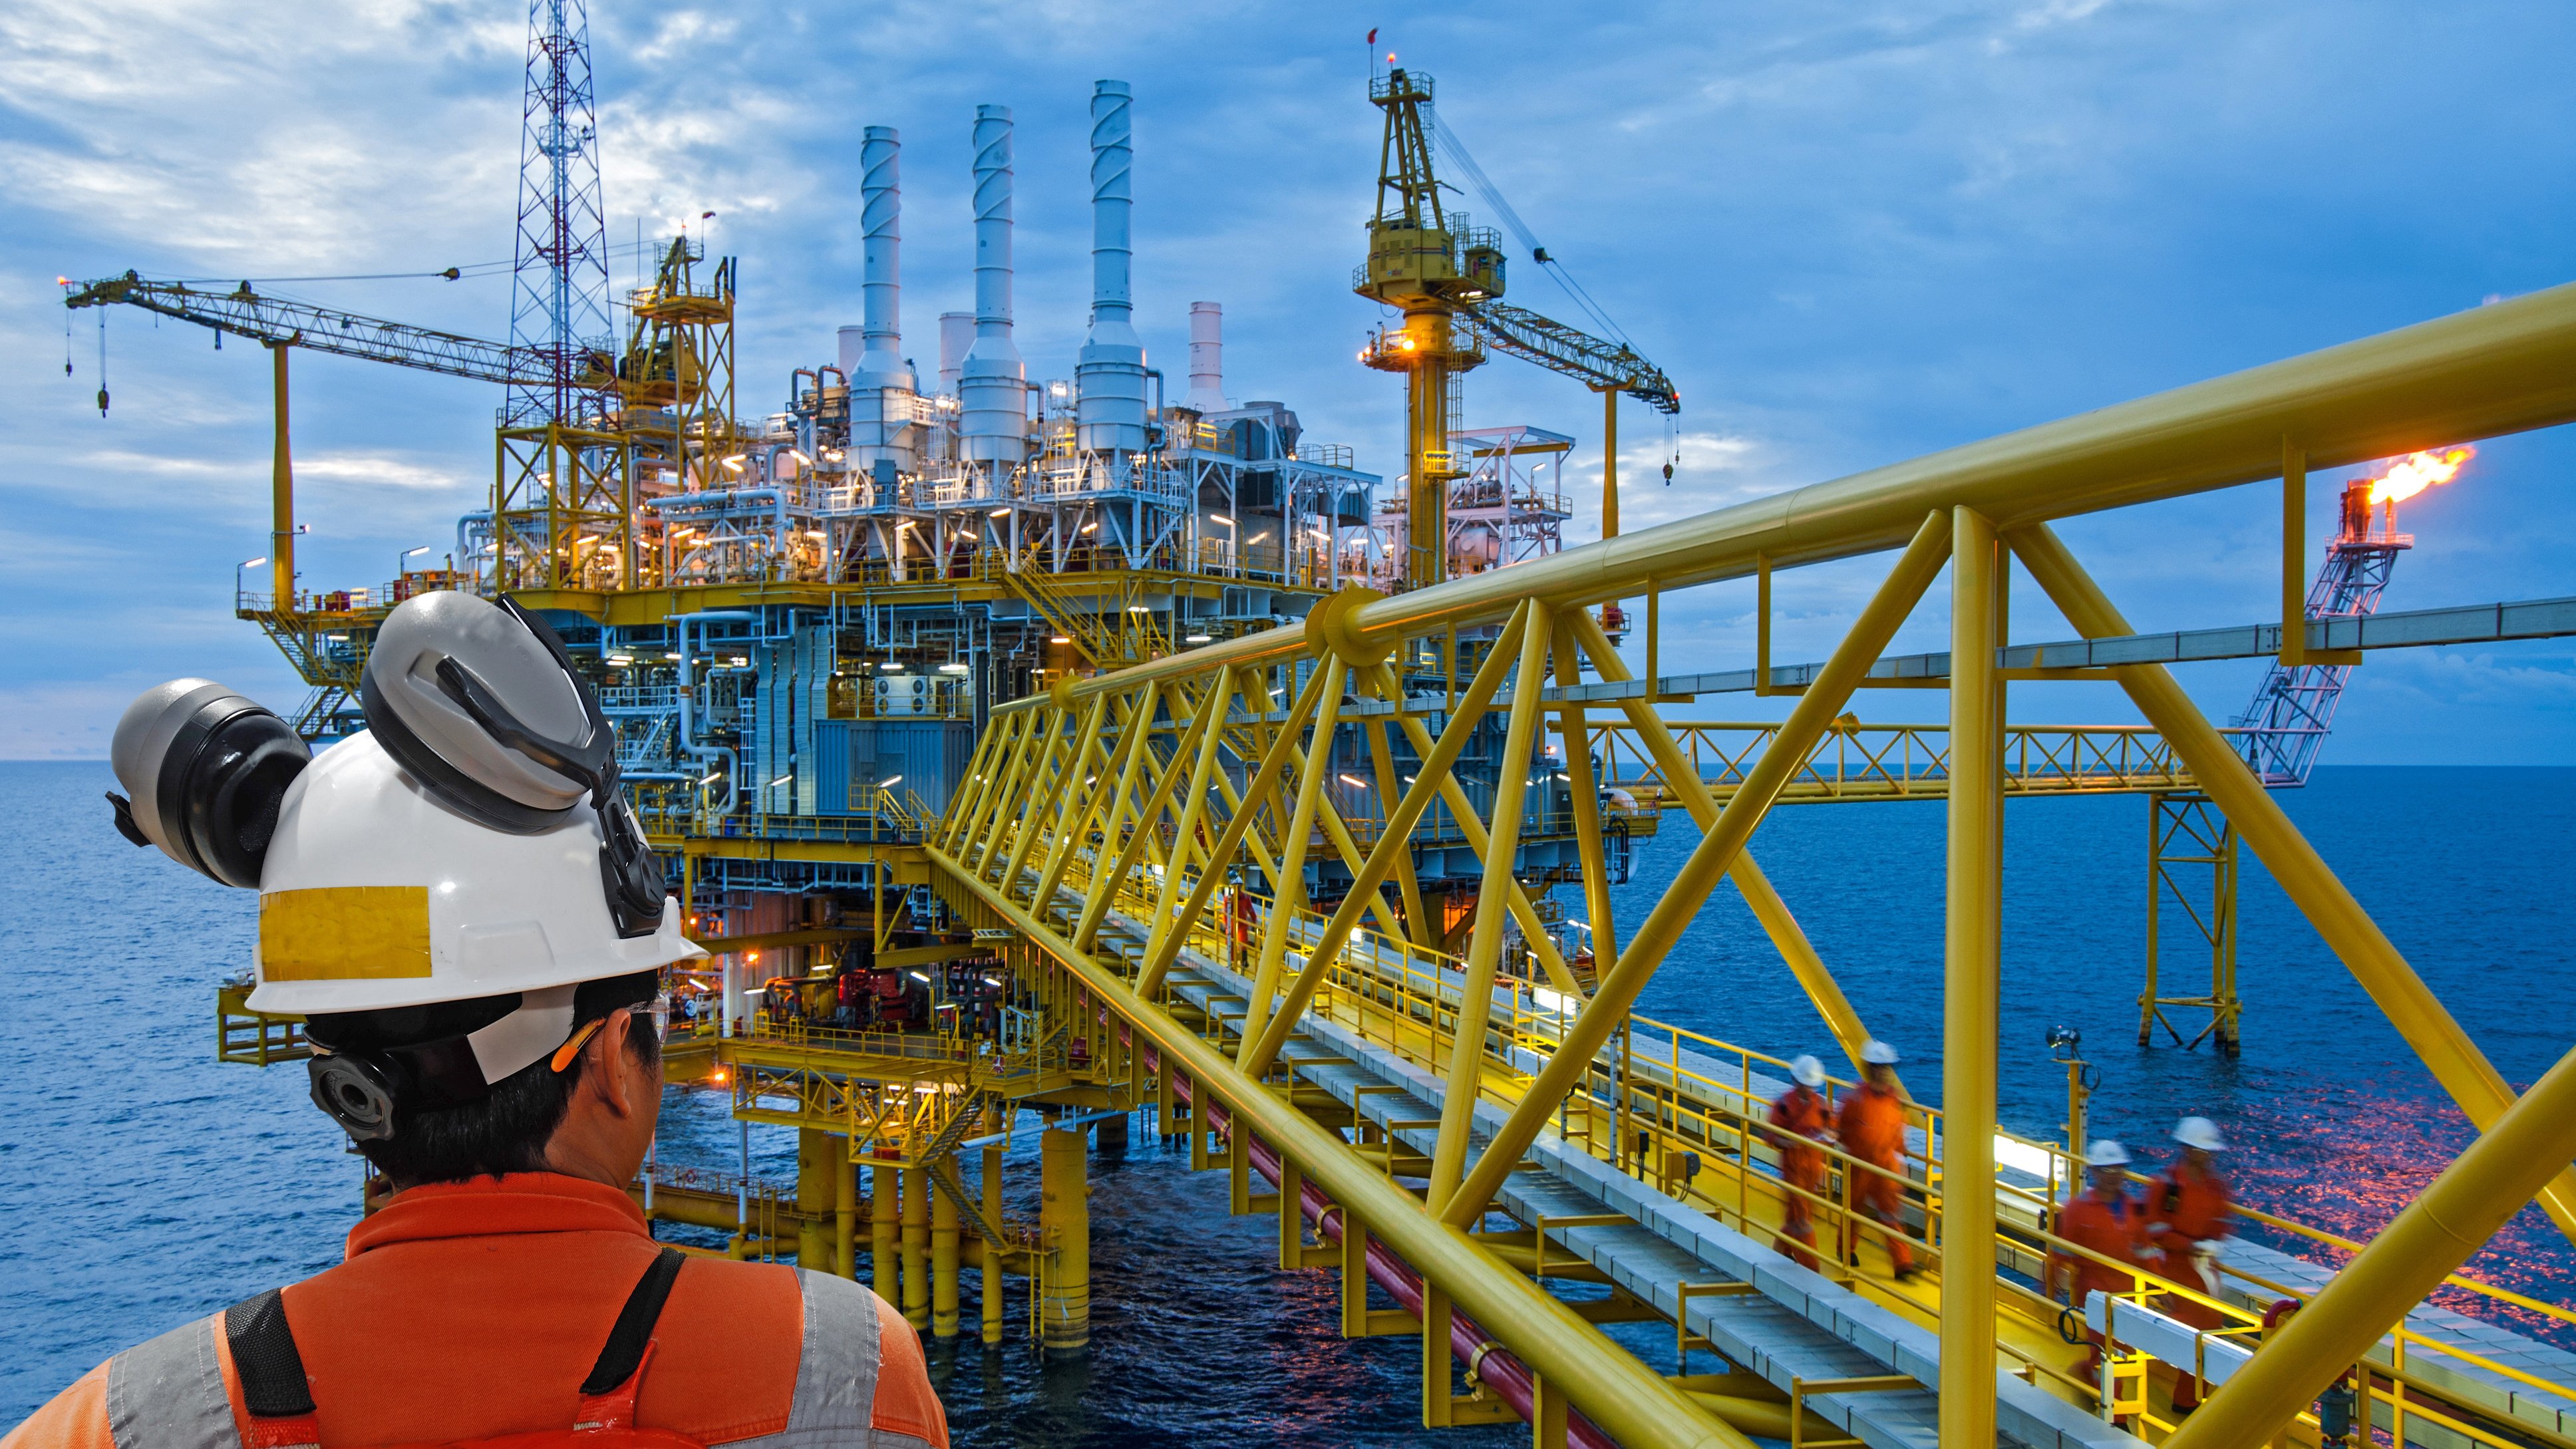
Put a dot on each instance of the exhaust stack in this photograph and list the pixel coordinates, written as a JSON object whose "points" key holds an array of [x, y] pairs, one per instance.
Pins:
{"points": [[956, 334], [993, 389], [1109, 378], [881, 386], [1207, 358]]}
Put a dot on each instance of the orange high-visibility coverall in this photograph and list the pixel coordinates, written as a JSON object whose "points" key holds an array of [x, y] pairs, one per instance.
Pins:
{"points": [[2187, 1207], [1872, 1128], [1803, 1117], [2112, 1226], [473, 1310]]}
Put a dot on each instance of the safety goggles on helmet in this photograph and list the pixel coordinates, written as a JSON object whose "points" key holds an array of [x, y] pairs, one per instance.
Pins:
{"points": [[207, 770]]}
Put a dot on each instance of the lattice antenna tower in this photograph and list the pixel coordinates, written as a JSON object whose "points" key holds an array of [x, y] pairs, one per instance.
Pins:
{"points": [[559, 301]]}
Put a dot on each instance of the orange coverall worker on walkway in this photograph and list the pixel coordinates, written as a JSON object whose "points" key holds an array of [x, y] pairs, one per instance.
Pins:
{"points": [[463, 908], [2189, 1211], [1804, 1118], [1872, 1129], [2102, 1219]]}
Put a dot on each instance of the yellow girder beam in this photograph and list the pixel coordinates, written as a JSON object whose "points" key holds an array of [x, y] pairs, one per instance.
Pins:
{"points": [[905, 864]]}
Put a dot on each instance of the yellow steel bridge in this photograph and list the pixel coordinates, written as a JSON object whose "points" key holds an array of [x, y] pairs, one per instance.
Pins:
{"points": [[1505, 1131]]}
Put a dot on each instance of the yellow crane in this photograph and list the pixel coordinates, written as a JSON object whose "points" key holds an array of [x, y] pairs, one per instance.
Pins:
{"points": [[1447, 278]]}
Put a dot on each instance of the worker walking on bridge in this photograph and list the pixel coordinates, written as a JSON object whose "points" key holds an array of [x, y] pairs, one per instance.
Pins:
{"points": [[1805, 1119], [1872, 1130], [2189, 1212], [2109, 1225], [462, 908]]}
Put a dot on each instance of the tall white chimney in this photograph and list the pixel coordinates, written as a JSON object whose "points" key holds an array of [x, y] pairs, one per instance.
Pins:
{"points": [[1109, 380], [881, 387], [1207, 358], [956, 334], [993, 390]]}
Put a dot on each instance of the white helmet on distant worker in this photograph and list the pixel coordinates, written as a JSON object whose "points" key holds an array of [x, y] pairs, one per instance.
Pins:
{"points": [[2199, 1132], [1877, 1054], [2106, 1152], [1809, 1072]]}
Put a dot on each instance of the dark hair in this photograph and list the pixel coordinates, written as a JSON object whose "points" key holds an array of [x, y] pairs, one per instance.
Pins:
{"points": [[505, 1130]]}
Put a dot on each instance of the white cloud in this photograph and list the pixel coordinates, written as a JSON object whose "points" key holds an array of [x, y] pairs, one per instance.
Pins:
{"points": [[384, 469]]}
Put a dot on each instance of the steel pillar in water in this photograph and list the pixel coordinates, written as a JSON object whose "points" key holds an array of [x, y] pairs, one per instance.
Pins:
{"points": [[916, 1246], [2187, 829], [990, 1292], [1064, 1225], [817, 1154], [943, 1263], [884, 1214], [845, 1216]]}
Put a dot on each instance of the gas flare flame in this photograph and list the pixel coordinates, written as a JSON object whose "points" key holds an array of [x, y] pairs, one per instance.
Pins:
{"points": [[2416, 472]]}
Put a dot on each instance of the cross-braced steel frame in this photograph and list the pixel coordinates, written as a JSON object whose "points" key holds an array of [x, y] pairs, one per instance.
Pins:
{"points": [[1162, 792]]}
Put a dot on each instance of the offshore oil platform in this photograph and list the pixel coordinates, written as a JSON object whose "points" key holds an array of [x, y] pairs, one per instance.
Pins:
{"points": [[1048, 756]]}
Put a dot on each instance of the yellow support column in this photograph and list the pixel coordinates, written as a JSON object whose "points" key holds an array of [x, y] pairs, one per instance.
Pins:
{"points": [[989, 1295], [281, 500], [816, 1155], [1439, 1400], [845, 1216], [943, 1264], [884, 1214], [1064, 1222], [916, 1246], [1970, 996]]}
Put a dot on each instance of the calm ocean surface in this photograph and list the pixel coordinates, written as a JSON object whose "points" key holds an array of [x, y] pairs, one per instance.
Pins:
{"points": [[142, 1184]]}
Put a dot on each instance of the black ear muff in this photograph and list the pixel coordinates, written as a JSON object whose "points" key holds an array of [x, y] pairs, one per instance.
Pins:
{"points": [[356, 1092], [629, 872], [209, 770]]}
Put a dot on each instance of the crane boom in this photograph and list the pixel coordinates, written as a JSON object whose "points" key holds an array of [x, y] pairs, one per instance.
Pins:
{"points": [[279, 322], [1553, 345]]}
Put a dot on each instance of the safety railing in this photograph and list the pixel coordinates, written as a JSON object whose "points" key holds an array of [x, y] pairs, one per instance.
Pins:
{"points": [[1683, 1111], [1854, 761]]}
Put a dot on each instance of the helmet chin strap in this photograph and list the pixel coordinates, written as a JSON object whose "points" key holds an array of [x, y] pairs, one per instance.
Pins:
{"points": [[541, 1023]]}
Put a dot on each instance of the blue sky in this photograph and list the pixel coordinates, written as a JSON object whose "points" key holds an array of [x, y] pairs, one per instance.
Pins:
{"points": [[1852, 232]]}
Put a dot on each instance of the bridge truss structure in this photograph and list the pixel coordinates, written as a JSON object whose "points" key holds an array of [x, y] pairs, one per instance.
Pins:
{"points": [[1401, 1102]]}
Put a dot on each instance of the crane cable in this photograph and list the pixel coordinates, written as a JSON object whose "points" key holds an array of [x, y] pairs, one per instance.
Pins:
{"points": [[1493, 197], [452, 274], [1456, 150]]}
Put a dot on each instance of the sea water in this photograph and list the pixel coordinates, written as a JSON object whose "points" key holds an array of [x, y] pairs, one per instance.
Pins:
{"points": [[142, 1183]]}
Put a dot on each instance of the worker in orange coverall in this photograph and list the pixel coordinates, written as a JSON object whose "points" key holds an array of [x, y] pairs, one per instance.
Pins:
{"points": [[2102, 1219], [1804, 1118], [2189, 1210], [1872, 1129]]}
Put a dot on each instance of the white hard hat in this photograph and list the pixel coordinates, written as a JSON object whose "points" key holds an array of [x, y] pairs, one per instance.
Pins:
{"points": [[1878, 1054], [1808, 1071], [2199, 1132], [442, 893], [377, 895], [2106, 1152]]}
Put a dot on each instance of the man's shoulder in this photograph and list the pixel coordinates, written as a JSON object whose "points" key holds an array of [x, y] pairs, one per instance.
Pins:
{"points": [[860, 1366]]}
